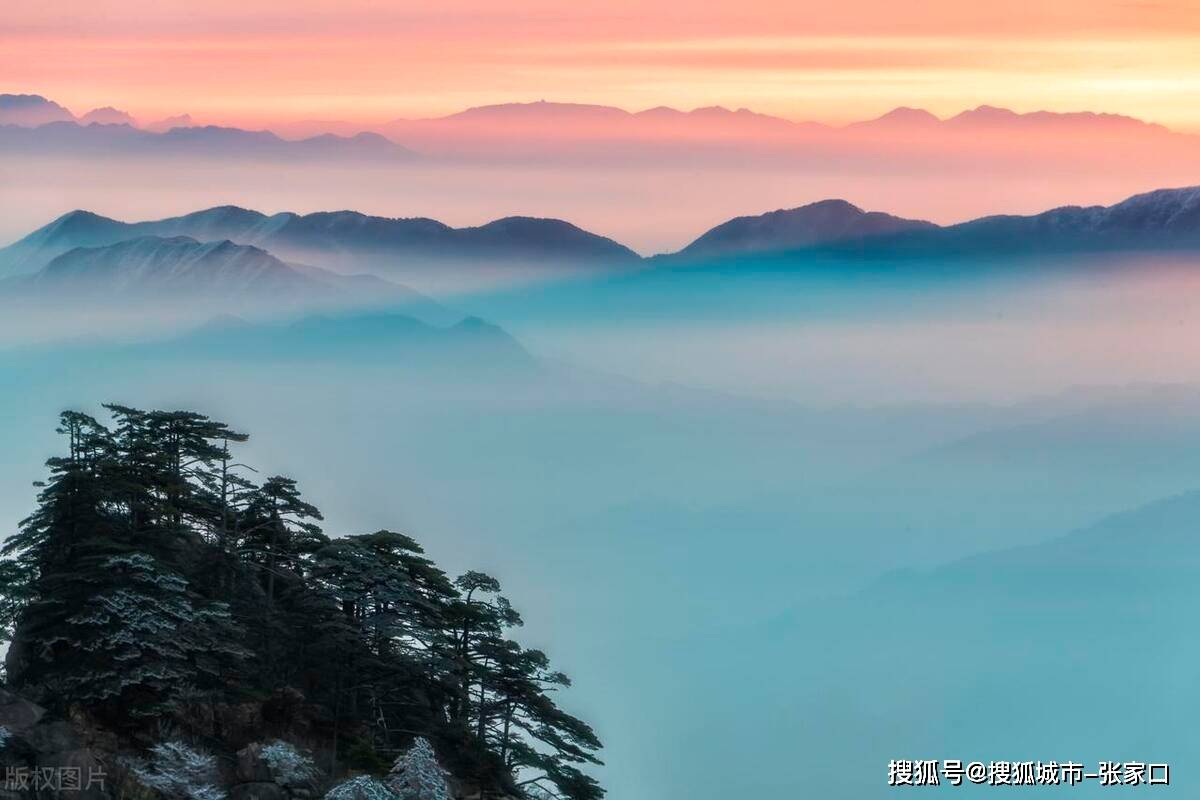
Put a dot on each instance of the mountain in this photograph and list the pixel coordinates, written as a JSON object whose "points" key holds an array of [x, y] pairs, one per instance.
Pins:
{"points": [[342, 238], [108, 116], [30, 110], [901, 118], [1159, 220], [987, 119], [75, 229], [352, 241], [70, 138], [463, 350], [542, 131], [1023, 633], [164, 125], [1001, 119], [181, 270], [550, 131], [824, 222], [176, 266]]}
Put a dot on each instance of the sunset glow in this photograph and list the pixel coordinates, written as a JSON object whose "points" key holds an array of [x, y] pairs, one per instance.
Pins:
{"points": [[254, 63]]}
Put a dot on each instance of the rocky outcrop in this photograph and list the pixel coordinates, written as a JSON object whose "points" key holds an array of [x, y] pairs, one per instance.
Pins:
{"points": [[258, 791], [46, 758], [274, 771], [72, 757]]}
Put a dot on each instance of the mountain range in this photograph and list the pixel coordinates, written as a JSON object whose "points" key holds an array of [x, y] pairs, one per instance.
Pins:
{"points": [[338, 238], [743, 119], [238, 250], [31, 110], [581, 133], [1161, 219], [173, 270], [543, 130], [102, 138], [819, 223], [393, 337]]}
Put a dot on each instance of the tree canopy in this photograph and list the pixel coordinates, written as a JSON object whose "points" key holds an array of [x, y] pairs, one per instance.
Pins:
{"points": [[156, 564]]}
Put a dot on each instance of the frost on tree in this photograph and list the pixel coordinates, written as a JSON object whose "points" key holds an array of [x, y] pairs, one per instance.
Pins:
{"points": [[417, 775], [146, 632], [180, 772], [361, 788], [289, 767]]}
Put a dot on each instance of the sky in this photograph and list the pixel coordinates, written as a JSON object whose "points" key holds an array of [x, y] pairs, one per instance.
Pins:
{"points": [[257, 62]]}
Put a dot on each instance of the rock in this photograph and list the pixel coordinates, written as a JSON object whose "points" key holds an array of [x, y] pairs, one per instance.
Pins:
{"points": [[75, 775], [258, 791], [285, 708], [252, 767], [127, 785], [278, 762], [18, 714], [53, 737]]}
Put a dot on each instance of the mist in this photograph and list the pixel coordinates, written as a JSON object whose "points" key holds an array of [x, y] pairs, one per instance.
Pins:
{"points": [[693, 474], [653, 208]]}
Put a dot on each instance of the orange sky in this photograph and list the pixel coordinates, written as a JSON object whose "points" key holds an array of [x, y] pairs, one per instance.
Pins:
{"points": [[252, 62]]}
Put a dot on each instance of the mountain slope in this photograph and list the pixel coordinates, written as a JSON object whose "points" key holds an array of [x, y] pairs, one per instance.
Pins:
{"points": [[1033, 635], [824, 222], [28, 110], [346, 238], [177, 266], [69, 137], [1161, 219], [179, 270], [464, 349], [108, 116]]}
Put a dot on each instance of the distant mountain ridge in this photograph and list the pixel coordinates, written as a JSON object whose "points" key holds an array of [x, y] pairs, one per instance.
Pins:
{"points": [[549, 132], [1156, 220], [814, 224], [1160, 219], [31, 110], [980, 116], [557, 132], [181, 271], [107, 135], [338, 236], [176, 265]]}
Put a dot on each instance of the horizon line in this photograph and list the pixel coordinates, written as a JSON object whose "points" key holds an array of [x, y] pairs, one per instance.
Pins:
{"points": [[143, 120]]}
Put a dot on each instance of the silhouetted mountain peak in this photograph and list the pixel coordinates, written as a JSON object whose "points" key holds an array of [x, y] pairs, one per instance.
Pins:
{"points": [[906, 116], [1162, 219], [985, 114], [177, 266], [822, 222], [108, 115], [76, 228], [223, 216], [31, 110], [177, 121]]}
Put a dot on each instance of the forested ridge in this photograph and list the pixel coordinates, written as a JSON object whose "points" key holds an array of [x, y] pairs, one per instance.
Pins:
{"points": [[158, 573]]}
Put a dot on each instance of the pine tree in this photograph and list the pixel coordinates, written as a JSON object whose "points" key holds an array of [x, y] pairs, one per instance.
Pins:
{"points": [[417, 775], [153, 567]]}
